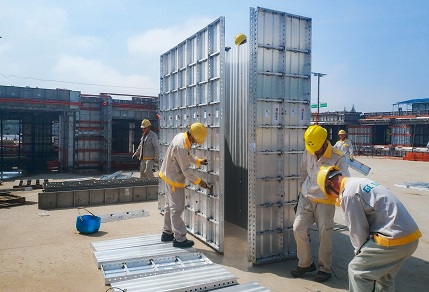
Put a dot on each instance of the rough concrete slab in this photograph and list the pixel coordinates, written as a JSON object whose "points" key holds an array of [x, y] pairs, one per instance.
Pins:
{"points": [[42, 251]]}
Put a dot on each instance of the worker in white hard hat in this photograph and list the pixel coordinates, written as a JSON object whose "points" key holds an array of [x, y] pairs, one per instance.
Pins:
{"points": [[382, 231], [345, 145], [148, 150], [174, 171], [313, 206]]}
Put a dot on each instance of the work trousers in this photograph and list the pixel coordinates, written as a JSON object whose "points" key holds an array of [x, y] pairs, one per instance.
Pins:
{"points": [[375, 267], [307, 214], [174, 207], [146, 167]]}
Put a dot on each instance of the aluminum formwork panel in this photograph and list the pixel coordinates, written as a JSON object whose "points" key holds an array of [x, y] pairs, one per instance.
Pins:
{"points": [[112, 244], [279, 113], [248, 287], [138, 252], [206, 278], [134, 269], [192, 90]]}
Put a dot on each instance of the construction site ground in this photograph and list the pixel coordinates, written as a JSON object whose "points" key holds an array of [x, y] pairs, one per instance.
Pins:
{"points": [[41, 250]]}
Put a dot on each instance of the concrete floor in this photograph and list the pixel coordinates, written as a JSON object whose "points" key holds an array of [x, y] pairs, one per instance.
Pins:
{"points": [[42, 251]]}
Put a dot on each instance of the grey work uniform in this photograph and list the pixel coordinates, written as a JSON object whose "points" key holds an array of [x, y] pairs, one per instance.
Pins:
{"points": [[346, 147], [382, 233], [174, 171], [314, 207], [147, 151]]}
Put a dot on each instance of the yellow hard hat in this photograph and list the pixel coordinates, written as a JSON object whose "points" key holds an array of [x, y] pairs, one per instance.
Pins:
{"points": [[342, 132], [240, 39], [145, 124], [325, 173], [314, 137], [199, 132]]}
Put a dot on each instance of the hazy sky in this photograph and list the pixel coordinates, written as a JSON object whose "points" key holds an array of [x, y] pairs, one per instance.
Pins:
{"points": [[375, 53]]}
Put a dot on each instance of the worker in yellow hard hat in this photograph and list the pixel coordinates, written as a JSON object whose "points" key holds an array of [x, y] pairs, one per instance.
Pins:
{"points": [[148, 150], [345, 145], [313, 206], [174, 171], [382, 231]]}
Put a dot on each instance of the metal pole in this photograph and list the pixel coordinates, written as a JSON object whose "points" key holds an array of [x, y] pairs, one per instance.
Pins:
{"points": [[318, 93], [318, 99]]}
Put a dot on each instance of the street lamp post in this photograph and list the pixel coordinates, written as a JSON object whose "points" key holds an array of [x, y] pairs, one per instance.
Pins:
{"points": [[318, 93]]}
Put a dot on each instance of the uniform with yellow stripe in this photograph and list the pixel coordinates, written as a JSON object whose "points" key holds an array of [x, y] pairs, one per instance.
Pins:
{"points": [[382, 233], [174, 171], [309, 169], [313, 205], [176, 166], [388, 222]]}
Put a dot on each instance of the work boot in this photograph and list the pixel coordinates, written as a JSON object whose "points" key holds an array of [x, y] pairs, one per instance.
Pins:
{"points": [[322, 276], [299, 272], [167, 237], [186, 243]]}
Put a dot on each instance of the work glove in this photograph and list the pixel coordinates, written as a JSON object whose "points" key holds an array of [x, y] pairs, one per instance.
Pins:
{"points": [[203, 184], [352, 158], [156, 160], [204, 162]]}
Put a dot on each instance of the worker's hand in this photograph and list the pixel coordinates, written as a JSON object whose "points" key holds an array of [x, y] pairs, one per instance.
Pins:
{"points": [[352, 158], [156, 160], [204, 162], [203, 184]]}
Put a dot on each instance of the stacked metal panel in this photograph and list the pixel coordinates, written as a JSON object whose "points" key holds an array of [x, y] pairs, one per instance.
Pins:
{"points": [[145, 263], [279, 113], [192, 90]]}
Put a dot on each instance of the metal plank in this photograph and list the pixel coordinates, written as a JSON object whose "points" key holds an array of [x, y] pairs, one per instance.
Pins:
{"points": [[126, 242], [139, 252], [198, 279], [139, 268], [248, 287], [123, 216]]}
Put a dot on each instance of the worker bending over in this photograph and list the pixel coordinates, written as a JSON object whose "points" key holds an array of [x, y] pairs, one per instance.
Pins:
{"points": [[313, 206], [382, 231], [174, 171], [345, 145]]}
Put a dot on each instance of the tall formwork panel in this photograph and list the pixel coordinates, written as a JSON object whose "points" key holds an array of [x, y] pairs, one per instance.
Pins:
{"points": [[192, 90], [279, 113]]}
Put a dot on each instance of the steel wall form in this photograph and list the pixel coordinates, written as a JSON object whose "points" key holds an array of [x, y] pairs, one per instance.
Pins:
{"points": [[192, 90], [279, 113]]}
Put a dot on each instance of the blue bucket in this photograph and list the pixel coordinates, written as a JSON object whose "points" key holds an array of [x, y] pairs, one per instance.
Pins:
{"points": [[87, 224]]}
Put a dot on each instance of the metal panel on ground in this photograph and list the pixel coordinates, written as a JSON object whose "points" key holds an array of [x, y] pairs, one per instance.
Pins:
{"points": [[198, 279], [126, 242], [138, 252], [248, 287], [133, 269], [279, 113], [192, 90]]}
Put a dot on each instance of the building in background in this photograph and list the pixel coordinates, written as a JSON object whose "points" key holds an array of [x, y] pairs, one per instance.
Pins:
{"points": [[397, 133]]}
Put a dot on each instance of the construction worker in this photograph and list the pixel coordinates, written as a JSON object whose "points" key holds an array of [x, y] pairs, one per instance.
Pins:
{"points": [[382, 231], [174, 171], [345, 145], [148, 150], [313, 206]]}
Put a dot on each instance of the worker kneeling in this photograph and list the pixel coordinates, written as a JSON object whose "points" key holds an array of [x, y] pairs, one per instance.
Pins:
{"points": [[382, 231], [174, 171]]}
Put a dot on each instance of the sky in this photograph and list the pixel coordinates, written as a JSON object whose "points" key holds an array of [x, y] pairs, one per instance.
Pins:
{"points": [[375, 53]]}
